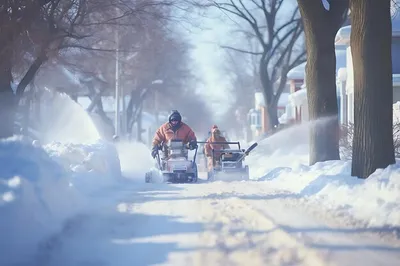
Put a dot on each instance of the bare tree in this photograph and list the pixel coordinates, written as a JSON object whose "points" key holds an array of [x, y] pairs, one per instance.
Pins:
{"points": [[47, 28], [370, 40], [16, 18], [279, 40], [242, 72], [321, 26]]}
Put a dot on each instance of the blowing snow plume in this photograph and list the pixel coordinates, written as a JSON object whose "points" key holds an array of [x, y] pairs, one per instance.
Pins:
{"points": [[135, 160], [287, 148], [66, 121]]}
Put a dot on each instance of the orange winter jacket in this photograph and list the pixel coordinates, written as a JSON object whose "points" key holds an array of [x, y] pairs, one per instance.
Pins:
{"points": [[165, 133], [217, 147]]}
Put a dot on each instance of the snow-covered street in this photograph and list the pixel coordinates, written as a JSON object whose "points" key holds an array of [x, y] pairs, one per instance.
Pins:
{"points": [[68, 205], [239, 223]]}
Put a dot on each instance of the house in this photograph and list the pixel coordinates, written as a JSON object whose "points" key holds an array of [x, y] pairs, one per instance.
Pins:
{"points": [[258, 116], [297, 109], [295, 78], [346, 76]]}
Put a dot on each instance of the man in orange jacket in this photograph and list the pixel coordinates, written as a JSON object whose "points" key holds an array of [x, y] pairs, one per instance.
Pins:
{"points": [[173, 129], [216, 136]]}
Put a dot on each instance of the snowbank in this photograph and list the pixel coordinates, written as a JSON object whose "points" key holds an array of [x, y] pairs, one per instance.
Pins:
{"points": [[282, 162], [396, 112], [90, 166], [42, 187]]}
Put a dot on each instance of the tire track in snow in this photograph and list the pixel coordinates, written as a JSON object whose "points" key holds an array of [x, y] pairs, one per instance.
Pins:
{"points": [[203, 224], [247, 235], [338, 244], [232, 232]]}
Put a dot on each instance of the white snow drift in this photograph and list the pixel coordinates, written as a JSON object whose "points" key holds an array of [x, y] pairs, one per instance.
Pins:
{"points": [[281, 161], [42, 187]]}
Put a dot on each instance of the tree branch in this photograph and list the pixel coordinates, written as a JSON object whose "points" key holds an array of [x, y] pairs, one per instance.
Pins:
{"points": [[240, 50]]}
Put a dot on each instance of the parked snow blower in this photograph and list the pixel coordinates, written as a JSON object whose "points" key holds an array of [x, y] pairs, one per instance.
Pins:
{"points": [[228, 163], [174, 166]]}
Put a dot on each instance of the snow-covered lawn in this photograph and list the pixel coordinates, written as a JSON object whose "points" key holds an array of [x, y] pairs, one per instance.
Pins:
{"points": [[281, 162]]}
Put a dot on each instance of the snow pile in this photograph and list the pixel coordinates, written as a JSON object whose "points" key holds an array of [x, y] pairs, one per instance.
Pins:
{"points": [[41, 188], [72, 139], [282, 162], [36, 198], [396, 112], [91, 166]]}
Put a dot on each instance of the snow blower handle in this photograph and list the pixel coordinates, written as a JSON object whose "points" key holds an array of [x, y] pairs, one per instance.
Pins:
{"points": [[246, 153]]}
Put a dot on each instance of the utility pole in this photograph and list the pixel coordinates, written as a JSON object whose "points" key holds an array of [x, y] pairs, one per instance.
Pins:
{"points": [[123, 114], [117, 88], [156, 106], [156, 111]]}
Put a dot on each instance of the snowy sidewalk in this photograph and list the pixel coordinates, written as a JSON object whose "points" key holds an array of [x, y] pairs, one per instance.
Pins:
{"points": [[240, 223]]}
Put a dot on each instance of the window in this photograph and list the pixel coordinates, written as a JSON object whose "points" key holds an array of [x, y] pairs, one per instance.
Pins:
{"points": [[255, 119]]}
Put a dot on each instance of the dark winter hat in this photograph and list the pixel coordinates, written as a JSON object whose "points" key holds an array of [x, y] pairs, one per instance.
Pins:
{"points": [[175, 115]]}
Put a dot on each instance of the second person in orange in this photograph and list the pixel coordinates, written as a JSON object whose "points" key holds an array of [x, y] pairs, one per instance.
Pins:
{"points": [[216, 136]]}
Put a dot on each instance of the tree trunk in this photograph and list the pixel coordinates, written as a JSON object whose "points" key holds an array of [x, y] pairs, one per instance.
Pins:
{"points": [[139, 123], [134, 105], [268, 93], [320, 27], [30, 74], [131, 109], [321, 94], [26, 110], [8, 103], [102, 114], [37, 110], [273, 115], [96, 98], [371, 37]]}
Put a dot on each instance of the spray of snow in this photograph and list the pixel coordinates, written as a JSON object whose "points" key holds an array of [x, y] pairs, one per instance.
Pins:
{"points": [[287, 148], [135, 160], [66, 121]]}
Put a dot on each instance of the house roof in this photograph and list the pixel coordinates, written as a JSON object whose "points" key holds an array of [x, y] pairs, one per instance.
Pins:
{"points": [[297, 72], [343, 34]]}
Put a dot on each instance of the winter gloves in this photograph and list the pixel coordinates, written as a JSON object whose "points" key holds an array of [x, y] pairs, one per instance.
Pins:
{"points": [[154, 151], [193, 144]]}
